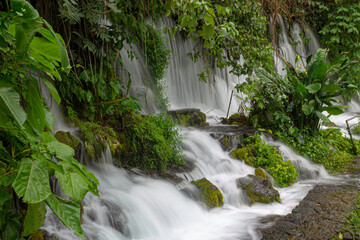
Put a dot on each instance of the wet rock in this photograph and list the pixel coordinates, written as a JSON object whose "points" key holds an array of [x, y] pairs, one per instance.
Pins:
{"points": [[260, 173], [228, 141], [320, 215], [70, 140], [258, 189], [210, 194], [236, 119], [37, 236], [190, 117]]}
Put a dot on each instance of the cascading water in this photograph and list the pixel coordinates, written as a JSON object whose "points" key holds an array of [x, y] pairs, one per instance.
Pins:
{"points": [[132, 206]]}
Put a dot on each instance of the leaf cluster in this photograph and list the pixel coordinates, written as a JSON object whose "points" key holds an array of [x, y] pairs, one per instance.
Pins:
{"points": [[31, 53], [299, 98]]}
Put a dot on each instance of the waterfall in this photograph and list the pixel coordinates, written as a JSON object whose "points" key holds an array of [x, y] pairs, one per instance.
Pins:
{"points": [[132, 206], [185, 90]]}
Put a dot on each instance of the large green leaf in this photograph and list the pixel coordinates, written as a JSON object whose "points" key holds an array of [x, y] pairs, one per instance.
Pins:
{"points": [[11, 225], [65, 63], [91, 180], [62, 151], [49, 119], [12, 101], [313, 88], [46, 48], [4, 196], [24, 33], [67, 211], [35, 107], [309, 107], [72, 183], [25, 8], [331, 88], [35, 216], [263, 75], [323, 117], [320, 71], [301, 91], [53, 91], [32, 181], [333, 110]]}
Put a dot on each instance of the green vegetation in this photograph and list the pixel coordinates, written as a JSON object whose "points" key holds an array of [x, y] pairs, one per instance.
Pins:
{"points": [[298, 98], [338, 23], [29, 45], [233, 27], [258, 153], [210, 194], [150, 143], [328, 147]]}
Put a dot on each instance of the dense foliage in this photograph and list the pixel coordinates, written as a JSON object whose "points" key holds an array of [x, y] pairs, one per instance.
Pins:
{"points": [[31, 53], [338, 23], [328, 147], [258, 153], [298, 99], [227, 30], [151, 142]]}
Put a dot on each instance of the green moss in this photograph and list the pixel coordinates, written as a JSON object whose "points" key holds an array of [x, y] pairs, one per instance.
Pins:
{"points": [[236, 119], [226, 142], [210, 194], [189, 117], [36, 236], [258, 189], [184, 120], [244, 153], [257, 153], [68, 139], [260, 173], [96, 137]]}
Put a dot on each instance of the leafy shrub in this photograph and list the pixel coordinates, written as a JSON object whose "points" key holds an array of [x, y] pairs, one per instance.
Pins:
{"points": [[299, 98], [258, 153], [152, 143], [328, 147]]}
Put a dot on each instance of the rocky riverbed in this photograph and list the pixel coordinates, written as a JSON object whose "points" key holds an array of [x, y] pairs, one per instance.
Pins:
{"points": [[321, 215]]}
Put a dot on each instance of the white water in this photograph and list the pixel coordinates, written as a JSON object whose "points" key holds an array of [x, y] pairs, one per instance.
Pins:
{"points": [[131, 206]]}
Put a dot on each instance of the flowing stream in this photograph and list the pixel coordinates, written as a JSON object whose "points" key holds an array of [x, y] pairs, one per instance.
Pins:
{"points": [[135, 206], [132, 206]]}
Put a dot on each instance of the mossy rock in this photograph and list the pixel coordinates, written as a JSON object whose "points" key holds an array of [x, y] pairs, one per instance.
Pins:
{"points": [[260, 173], [258, 190], [36, 236], [189, 117], [210, 194], [236, 119], [245, 153], [68, 139]]}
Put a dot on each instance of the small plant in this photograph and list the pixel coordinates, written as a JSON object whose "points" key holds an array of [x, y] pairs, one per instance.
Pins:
{"points": [[258, 153], [328, 147], [151, 143]]}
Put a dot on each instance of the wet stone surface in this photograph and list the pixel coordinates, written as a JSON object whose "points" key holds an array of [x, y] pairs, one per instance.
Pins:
{"points": [[319, 216]]}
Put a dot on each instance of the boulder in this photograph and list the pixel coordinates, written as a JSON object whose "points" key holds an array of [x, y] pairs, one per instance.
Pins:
{"points": [[236, 119], [258, 189], [190, 117], [210, 194]]}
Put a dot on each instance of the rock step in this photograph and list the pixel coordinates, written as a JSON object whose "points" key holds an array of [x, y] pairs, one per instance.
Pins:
{"points": [[319, 216]]}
